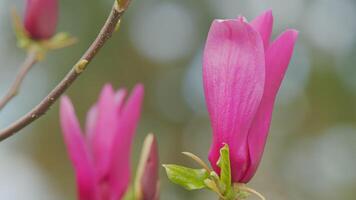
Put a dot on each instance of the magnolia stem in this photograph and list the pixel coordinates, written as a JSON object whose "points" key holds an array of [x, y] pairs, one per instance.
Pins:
{"points": [[252, 191], [197, 160], [39, 110], [29, 62]]}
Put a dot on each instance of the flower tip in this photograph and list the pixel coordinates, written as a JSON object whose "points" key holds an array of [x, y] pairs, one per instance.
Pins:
{"points": [[242, 19], [140, 87], [291, 35], [121, 91], [266, 15], [108, 87], [120, 96], [107, 92], [138, 91], [65, 102], [269, 12], [294, 32]]}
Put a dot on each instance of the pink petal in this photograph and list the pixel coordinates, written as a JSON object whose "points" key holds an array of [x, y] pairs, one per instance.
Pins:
{"points": [[92, 114], [105, 130], [91, 122], [264, 24], [121, 167], [120, 96], [277, 59], [41, 18], [233, 74], [78, 151]]}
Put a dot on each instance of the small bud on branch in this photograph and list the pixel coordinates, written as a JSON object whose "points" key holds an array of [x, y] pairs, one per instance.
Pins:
{"points": [[147, 180], [41, 18]]}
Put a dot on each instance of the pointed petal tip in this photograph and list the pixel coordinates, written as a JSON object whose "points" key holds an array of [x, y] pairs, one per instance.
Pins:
{"points": [[264, 24], [120, 96], [106, 94], [64, 99], [138, 90], [268, 12], [107, 87], [121, 91], [289, 35], [293, 32], [265, 15], [65, 104], [139, 86]]}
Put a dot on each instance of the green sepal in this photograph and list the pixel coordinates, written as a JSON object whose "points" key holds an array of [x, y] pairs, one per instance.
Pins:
{"points": [[225, 170], [190, 179], [129, 195], [58, 41], [23, 38], [242, 195]]}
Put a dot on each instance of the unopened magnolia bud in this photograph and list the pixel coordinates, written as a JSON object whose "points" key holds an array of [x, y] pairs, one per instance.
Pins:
{"points": [[147, 180], [41, 18]]}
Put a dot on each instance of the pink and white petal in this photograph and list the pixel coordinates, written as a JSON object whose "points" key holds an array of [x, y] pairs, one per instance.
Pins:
{"points": [[78, 151], [91, 122], [120, 96], [120, 167], [233, 76], [277, 59], [264, 25], [105, 130]]}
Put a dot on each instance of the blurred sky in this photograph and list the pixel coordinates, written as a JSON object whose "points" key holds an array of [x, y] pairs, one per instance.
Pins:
{"points": [[312, 145]]}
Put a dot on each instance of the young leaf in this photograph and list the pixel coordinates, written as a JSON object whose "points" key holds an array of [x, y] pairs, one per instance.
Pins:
{"points": [[224, 164], [190, 179]]}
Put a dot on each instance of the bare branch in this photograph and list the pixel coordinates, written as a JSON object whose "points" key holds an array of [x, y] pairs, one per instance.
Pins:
{"points": [[29, 62], [105, 33]]}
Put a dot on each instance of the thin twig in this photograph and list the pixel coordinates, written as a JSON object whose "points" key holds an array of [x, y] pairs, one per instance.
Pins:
{"points": [[39, 110], [252, 191], [197, 160], [29, 62]]}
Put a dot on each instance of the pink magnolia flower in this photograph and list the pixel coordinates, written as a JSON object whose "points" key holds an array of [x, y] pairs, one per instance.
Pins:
{"points": [[41, 18], [101, 158], [242, 72]]}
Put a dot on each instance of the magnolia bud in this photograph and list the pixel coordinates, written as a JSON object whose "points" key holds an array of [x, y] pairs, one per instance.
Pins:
{"points": [[41, 18], [147, 180]]}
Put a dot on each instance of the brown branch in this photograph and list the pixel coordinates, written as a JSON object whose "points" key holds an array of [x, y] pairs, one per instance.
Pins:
{"points": [[29, 62], [39, 110]]}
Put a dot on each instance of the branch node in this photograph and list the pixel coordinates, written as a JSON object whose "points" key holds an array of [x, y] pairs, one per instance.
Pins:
{"points": [[121, 5], [81, 65]]}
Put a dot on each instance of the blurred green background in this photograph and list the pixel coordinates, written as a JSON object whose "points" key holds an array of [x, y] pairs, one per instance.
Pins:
{"points": [[311, 151]]}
